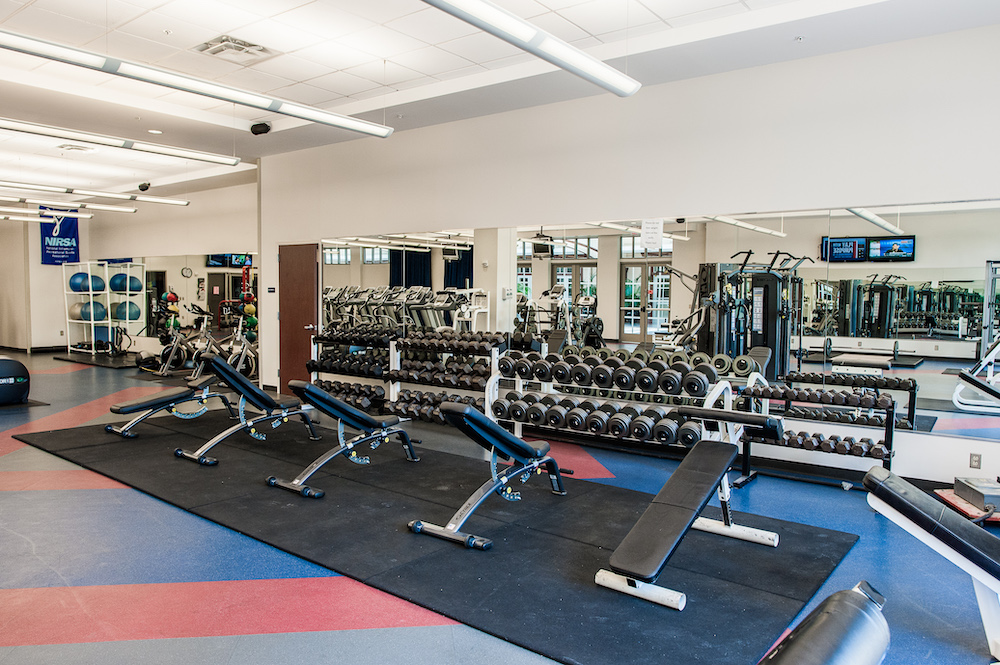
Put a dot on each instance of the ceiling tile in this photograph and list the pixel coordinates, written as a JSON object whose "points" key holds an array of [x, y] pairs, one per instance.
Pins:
{"points": [[198, 64], [132, 87], [760, 4], [459, 73], [168, 30], [334, 55], [382, 11], [480, 47], [559, 4], [249, 79], [210, 14], [343, 83], [320, 19], [668, 9], [303, 93], [384, 73], [8, 7], [53, 27], [586, 43], [129, 47], [231, 110], [708, 15], [635, 31], [276, 36], [500, 63], [189, 99], [381, 42], [555, 24], [522, 8], [601, 16], [265, 7], [374, 93], [292, 67], [431, 60], [77, 75], [432, 26], [110, 13], [21, 61], [415, 83]]}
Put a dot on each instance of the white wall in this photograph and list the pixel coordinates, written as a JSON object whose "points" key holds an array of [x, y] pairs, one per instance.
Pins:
{"points": [[13, 275]]}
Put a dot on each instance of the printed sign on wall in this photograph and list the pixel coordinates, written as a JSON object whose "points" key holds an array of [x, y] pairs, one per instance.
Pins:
{"points": [[60, 240]]}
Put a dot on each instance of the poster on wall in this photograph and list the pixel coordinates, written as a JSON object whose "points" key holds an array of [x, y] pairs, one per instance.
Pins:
{"points": [[60, 239], [652, 234]]}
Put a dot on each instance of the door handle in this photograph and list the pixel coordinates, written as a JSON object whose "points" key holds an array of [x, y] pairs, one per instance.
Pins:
{"points": [[310, 327]]}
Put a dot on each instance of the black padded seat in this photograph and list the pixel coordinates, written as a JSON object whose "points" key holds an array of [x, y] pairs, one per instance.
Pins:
{"points": [[246, 388], [974, 543], [157, 401], [762, 355], [654, 538], [333, 407], [490, 435]]}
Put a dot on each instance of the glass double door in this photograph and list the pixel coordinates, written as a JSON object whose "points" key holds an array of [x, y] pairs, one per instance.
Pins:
{"points": [[578, 280], [645, 301]]}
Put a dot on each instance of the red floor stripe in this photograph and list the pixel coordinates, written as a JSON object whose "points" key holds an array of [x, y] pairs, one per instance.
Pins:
{"points": [[62, 369], [75, 416], [577, 458], [72, 615], [63, 479]]}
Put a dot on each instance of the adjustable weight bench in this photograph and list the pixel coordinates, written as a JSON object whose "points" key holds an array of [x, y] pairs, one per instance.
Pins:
{"points": [[273, 411], [971, 548], [644, 552], [196, 391], [373, 432], [525, 458]]}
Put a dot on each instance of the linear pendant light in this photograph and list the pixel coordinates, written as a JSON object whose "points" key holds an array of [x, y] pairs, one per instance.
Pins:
{"points": [[516, 31], [89, 192], [74, 56], [68, 205], [115, 142], [749, 227], [869, 216], [44, 213], [631, 229]]}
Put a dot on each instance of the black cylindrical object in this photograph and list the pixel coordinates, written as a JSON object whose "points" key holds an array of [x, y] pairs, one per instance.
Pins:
{"points": [[536, 413], [670, 381], [576, 419], [519, 411], [665, 431], [14, 381], [689, 433], [603, 376], [624, 377], [581, 374], [562, 372], [501, 409], [524, 368]]}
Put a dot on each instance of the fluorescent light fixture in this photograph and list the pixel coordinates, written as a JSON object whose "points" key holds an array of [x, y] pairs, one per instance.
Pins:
{"points": [[6, 184], [44, 213], [631, 229], [20, 218], [147, 74], [749, 227], [514, 30], [66, 204], [869, 216]]}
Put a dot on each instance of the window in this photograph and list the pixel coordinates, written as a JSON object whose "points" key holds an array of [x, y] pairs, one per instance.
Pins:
{"points": [[375, 255], [524, 280], [575, 248], [564, 276], [524, 252], [337, 256], [632, 248]]}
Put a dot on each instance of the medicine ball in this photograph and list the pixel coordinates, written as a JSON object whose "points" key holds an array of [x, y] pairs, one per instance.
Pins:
{"points": [[14, 381]]}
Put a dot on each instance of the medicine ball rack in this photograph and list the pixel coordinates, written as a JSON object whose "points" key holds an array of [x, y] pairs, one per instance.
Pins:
{"points": [[93, 334]]}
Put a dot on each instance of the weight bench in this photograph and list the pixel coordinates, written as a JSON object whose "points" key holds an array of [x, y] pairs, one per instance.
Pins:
{"points": [[971, 548], [373, 432], [644, 552], [196, 391], [273, 411], [525, 458]]}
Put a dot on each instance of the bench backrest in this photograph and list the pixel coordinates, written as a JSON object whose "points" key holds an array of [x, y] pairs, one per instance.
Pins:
{"points": [[240, 384], [333, 407], [487, 433]]}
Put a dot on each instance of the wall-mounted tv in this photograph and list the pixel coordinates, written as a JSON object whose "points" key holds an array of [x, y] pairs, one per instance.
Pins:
{"points": [[240, 260], [843, 250], [893, 248], [217, 261]]}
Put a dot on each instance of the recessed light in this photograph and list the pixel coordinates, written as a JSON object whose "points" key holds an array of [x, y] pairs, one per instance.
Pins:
{"points": [[800, 39], [154, 131]]}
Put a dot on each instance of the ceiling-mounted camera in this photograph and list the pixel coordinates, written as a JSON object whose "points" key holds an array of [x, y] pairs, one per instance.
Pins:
{"points": [[143, 186]]}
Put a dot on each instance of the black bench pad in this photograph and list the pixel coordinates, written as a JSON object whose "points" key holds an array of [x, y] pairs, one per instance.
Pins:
{"points": [[977, 383], [490, 435], [974, 543], [246, 388], [157, 401], [335, 408], [645, 550]]}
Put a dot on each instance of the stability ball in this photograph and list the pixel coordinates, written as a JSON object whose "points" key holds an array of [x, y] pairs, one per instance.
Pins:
{"points": [[79, 281], [127, 311], [74, 311], [134, 284], [97, 312], [118, 282], [96, 283], [14, 381]]}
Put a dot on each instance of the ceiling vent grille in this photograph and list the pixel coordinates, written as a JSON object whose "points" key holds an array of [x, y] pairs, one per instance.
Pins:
{"points": [[235, 50]]}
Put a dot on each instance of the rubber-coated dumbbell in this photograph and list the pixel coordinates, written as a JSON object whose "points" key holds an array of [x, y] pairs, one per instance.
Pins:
{"points": [[689, 433], [641, 427], [619, 423]]}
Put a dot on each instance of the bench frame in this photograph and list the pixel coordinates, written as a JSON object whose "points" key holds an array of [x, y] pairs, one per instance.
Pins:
{"points": [[201, 396], [677, 599]]}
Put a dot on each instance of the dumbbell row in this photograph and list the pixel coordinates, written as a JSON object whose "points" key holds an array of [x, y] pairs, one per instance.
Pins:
{"points": [[359, 364], [659, 424], [368, 403], [865, 398], [612, 372], [834, 443], [373, 391], [364, 335], [856, 380], [427, 406], [845, 417], [461, 342]]}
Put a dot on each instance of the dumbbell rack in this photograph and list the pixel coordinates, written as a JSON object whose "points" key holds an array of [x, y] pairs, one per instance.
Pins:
{"points": [[395, 360], [911, 402], [729, 432], [890, 420]]}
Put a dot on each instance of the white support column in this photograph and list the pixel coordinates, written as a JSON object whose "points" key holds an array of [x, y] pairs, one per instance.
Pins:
{"points": [[495, 269]]}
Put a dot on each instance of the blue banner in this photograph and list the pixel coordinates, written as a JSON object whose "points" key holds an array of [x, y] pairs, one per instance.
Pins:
{"points": [[60, 239]]}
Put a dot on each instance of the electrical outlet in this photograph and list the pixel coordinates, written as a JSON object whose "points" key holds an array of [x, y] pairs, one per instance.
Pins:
{"points": [[975, 461], [62, 332]]}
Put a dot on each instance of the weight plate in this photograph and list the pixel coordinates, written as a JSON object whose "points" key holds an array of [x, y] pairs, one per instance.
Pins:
{"points": [[623, 354], [587, 351], [701, 358], [743, 366], [640, 354], [604, 353], [570, 350], [678, 357], [722, 363], [660, 354]]}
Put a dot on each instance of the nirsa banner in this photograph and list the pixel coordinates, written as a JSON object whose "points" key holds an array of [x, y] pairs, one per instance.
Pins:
{"points": [[60, 239]]}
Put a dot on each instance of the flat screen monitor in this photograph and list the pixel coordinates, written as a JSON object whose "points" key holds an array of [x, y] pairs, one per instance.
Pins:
{"points": [[541, 249], [217, 261], [843, 250], [897, 248], [240, 260]]}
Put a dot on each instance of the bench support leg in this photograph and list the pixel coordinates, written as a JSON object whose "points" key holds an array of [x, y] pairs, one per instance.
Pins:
{"points": [[453, 531], [727, 527], [199, 455], [989, 609], [651, 592]]}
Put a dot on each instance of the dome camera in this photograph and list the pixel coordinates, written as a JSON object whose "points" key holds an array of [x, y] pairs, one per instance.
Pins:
{"points": [[143, 186]]}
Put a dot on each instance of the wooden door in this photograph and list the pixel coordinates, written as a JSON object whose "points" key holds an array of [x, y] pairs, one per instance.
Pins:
{"points": [[298, 309]]}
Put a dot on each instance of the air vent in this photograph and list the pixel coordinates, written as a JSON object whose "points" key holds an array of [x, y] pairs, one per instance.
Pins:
{"points": [[235, 50]]}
